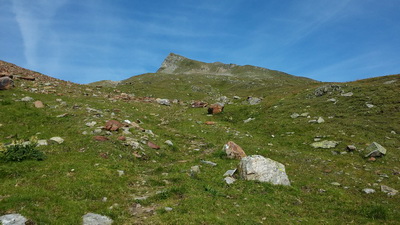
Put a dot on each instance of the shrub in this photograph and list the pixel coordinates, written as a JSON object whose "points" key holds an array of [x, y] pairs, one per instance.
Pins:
{"points": [[20, 152]]}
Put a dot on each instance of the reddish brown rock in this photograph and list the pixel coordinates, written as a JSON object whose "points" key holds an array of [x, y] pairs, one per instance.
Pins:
{"points": [[209, 123], [215, 108], [113, 125], [38, 104], [6, 83], [103, 155], [234, 151], [122, 138], [100, 138], [152, 145], [372, 159], [199, 104]]}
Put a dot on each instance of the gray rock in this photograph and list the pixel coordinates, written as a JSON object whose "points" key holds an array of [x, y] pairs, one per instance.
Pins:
{"points": [[325, 144], [348, 94], [91, 124], [320, 120], [375, 150], [163, 101], [253, 100], [208, 163], [368, 190], [26, 99], [229, 180], [13, 219], [351, 148], [41, 142], [336, 184], [305, 114], [326, 89], [369, 105], [96, 219], [331, 100], [390, 191], [57, 140], [194, 170], [229, 173], [390, 82], [257, 167], [248, 120], [168, 142], [6, 83], [294, 115]]}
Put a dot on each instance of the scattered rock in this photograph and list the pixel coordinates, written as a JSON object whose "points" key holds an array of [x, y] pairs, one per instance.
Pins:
{"points": [[229, 173], [163, 101], [91, 124], [209, 123], [57, 140], [194, 170], [233, 151], [236, 97], [369, 105], [38, 104], [121, 138], [348, 94], [375, 150], [390, 82], [100, 138], [198, 104], [229, 180], [326, 89], [168, 142], [320, 120], [121, 173], [6, 83], [305, 114], [26, 99], [113, 125], [332, 100], [368, 190], [294, 115], [257, 167], [96, 219], [13, 219], [208, 163], [325, 144], [152, 145], [336, 184], [351, 148], [393, 132], [41, 142], [215, 108], [253, 100], [248, 120], [372, 159], [62, 115], [390, 191], [168, 209]]}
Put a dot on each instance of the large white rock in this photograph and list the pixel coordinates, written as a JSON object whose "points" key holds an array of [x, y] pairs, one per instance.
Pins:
{"points": [[257, 167], [96, 219], [13, 219]]}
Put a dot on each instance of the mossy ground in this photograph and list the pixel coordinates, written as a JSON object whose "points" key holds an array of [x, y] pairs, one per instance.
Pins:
{"points": [[75, 178]]}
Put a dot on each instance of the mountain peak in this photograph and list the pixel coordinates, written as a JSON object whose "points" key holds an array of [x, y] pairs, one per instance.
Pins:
{"points": [[171, 63]]}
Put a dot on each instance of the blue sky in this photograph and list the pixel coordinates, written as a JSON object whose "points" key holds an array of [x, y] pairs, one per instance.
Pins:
{"points": [[89, 40]]}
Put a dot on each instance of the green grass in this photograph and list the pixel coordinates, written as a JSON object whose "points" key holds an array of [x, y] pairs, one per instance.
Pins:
{"points": [[74, 178]]}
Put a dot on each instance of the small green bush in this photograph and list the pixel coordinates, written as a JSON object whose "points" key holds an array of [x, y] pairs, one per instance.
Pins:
{"points": [[20, 152]]}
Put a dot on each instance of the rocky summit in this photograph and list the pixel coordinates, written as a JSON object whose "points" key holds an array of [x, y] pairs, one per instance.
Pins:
{"points": [[198, 143]]}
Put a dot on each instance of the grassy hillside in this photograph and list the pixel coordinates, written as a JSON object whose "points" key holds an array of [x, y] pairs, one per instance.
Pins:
{"points": [[81, 175]]}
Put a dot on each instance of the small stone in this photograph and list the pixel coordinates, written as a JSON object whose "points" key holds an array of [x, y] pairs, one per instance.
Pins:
{"points": [[62, 115], [331, 100], [393, 132], [113, 125], [152, 145], [215, 108], [57, 140], [38, 104], [168, 142], [91, 124], [325, 144], [121, 173], [372, 159], [253, 100], [351, 148], [348, 94], [97, 131], [369, 105], [294, 115], [209, 123], [96, 219], [208, 163], [229, 180], [248, 120], [305, 114], [320, 120], [368, 190], [194, 170], [336, 184], [13, 219], [27, 99], [100, 138], [41, 142], [121, 138], [229, 173], [168, 209], [233, 151], [104, 199], [163, 101], [390, 191], [375, 150]]}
